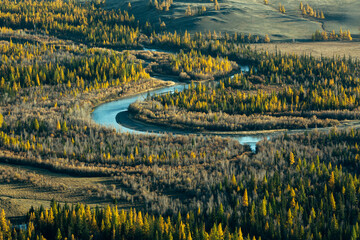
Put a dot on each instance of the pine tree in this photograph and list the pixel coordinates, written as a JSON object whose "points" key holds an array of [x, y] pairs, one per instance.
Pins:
{"points": [[263, 207], [64, 127], [267, 39], [291, 158], [58, 125], [1, 120], [292, 203], [332, 202], [240, 235], [353, 233], [289, 218], [245, 200], [233, 180], [58, 235], [252, 213], [334, 223], [332, 180], [3, 223], [36, 124], [348, 35]]}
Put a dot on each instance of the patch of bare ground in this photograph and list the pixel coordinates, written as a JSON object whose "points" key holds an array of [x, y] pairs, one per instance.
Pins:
{"points": [[17, 197], [316, 49]]}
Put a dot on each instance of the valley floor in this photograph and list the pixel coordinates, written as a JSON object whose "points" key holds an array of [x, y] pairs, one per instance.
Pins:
{"points": [[316, 49]]}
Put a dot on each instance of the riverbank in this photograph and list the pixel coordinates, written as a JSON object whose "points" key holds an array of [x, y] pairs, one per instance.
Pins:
{"points": [[151, 85]]}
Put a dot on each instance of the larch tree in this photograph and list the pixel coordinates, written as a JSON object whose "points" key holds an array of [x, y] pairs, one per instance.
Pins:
{"points": [[263, 207], [289, 218], [267, 38], [332, 202], [291, 158], [332, 181], [58, 125], [245, 200], [1, 120], [64, 127], [36, 124]]}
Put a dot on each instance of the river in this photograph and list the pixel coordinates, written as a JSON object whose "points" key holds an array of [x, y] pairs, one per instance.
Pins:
{"points": [[106, 114], [115, 115]]}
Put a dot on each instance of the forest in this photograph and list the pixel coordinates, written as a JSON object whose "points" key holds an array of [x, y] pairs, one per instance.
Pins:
{"points": [[60, 59], [290, 91]]}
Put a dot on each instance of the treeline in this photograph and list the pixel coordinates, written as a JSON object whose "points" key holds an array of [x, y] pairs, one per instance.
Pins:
{"points": [[194, 65], [278, 68], [80, 69], [82, 222], [332, 36], [208, 42], [155, 113], [161, 5], [204, 98], [82, 22], [309, 11], [190, 65]]}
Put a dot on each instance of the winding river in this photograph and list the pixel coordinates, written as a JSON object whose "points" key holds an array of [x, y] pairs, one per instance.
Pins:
{"points": [[107, 113], [115, 115]]}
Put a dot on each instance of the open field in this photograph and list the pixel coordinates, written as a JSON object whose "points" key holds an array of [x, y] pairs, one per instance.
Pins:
{"points": [[16, 197], [316, 49], [250, 16]]}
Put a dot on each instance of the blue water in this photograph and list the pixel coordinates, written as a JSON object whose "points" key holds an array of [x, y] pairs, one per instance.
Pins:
{"points": [[105, 114]]}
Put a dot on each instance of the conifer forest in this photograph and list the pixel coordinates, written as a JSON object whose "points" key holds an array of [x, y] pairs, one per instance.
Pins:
{"points": [[162, 120]]}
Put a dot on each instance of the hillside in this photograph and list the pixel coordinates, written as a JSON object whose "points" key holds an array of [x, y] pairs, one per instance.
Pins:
{"points": [[249, 16]]}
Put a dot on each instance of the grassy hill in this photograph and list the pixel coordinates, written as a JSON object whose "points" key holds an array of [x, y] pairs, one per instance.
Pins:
{"points": [[249, 16]]}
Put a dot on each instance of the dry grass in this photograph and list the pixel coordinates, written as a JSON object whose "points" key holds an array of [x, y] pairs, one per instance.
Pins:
{"points": [[16, 198], [250, 16], [317, 49]]}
